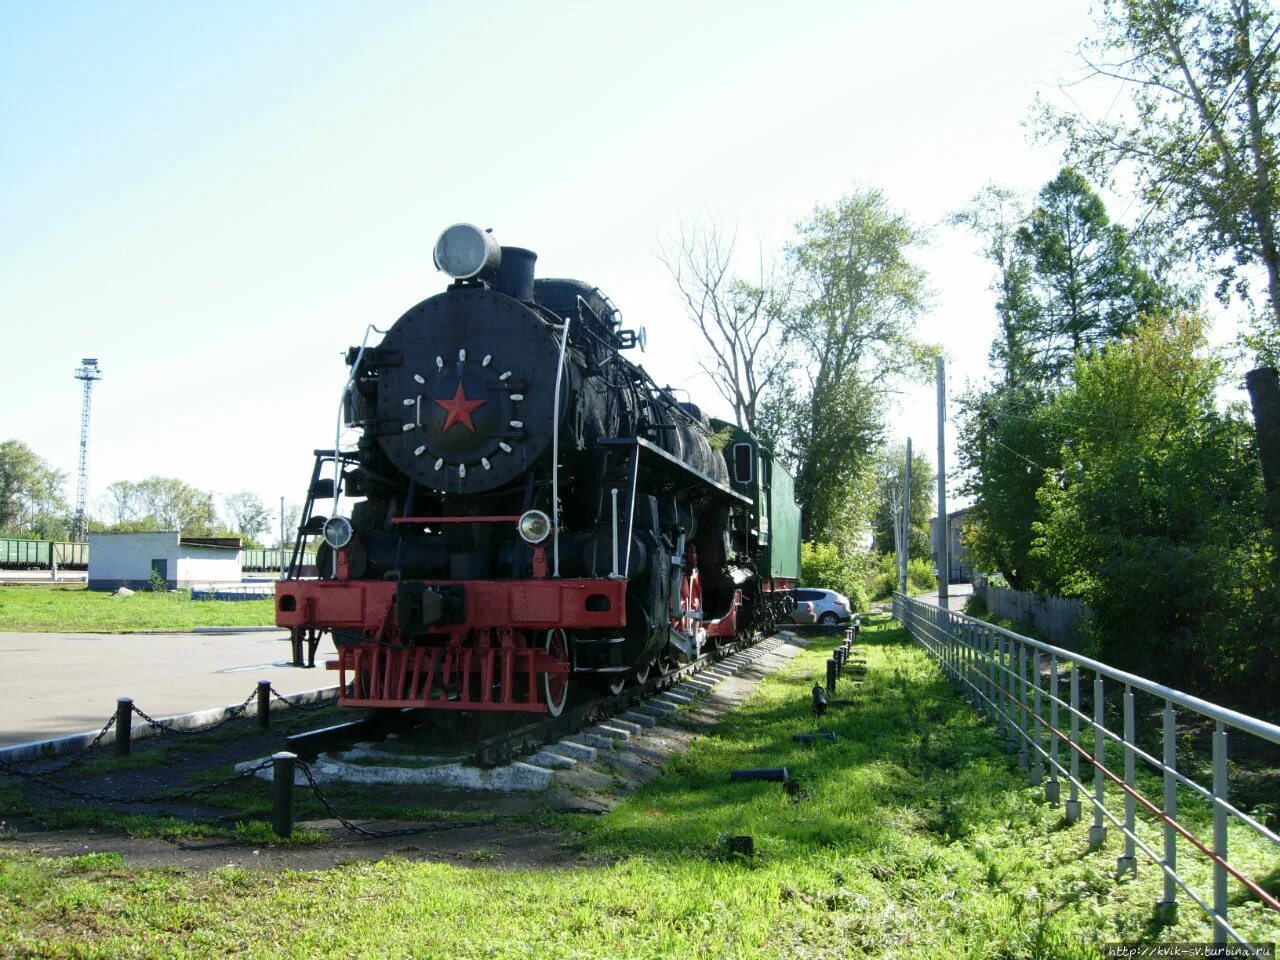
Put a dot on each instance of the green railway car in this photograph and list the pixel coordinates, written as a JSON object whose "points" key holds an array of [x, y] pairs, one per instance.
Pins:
{"points": [[773, 535], [24, 554]]}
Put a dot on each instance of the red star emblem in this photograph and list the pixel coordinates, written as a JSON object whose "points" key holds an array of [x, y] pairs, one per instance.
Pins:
{"points": [[460, 408]]}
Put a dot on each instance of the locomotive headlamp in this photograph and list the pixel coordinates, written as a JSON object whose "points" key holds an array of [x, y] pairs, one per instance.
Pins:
{"points": [[464, 251], [337, 532], [534, 527]]}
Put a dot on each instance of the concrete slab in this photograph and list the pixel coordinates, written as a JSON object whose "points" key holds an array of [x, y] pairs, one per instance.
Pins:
{"points": [[513, 777], [551, 760], [572, 748], [674, 696], [610, 730], [165, 673], [622, 723], [597, 740], [657, 709]]}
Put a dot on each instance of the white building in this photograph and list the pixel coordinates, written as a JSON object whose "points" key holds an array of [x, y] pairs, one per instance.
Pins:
{"points": [[957, 553], [129, 559]]}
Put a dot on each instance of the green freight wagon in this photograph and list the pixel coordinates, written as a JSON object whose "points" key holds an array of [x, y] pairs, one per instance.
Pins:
{"points": [[24, 554], [773, 534]]}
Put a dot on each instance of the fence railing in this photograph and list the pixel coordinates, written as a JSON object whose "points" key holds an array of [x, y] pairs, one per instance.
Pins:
{"points": [[1018, 683], [1060, 620]]}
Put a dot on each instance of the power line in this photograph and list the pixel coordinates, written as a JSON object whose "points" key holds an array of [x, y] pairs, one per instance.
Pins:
{"points": [[997, 440]]}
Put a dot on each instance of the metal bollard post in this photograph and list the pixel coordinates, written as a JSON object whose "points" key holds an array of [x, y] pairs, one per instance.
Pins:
{"points": [[1128, 862], [1098, 832], [1072, 811], [1037, 759], [264, 704], [1220, 785], [1167, 908], [1024, 701], [282, 793], [831, 678], [1051, 788], [124, 725]]}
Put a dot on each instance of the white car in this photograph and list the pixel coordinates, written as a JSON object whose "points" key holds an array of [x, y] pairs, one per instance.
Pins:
{"points": [[821, 606]]}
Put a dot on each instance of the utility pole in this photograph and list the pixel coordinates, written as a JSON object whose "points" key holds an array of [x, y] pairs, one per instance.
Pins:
{"points": [[282, 538], [88, 373], [897, 533], [906, 522], [944, 544]]}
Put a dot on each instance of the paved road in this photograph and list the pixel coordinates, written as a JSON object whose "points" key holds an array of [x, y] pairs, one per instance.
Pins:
{"points": [[53, 684], [957, 594]]}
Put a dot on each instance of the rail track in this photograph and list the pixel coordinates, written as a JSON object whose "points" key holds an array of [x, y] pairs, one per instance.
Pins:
{"points": [[432, 730]]}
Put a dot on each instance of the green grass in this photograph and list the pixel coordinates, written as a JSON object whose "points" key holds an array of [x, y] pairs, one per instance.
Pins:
{"points": [[78, 610], [915, 837]]}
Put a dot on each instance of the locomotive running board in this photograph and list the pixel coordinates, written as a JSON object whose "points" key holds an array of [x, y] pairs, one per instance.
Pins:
{"points": [[678, 467]]}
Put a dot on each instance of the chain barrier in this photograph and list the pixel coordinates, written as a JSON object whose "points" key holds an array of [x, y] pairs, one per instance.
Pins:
{"points": [[44, 781], [76, 757], [381, 834], [234, 713], [315, 705]]}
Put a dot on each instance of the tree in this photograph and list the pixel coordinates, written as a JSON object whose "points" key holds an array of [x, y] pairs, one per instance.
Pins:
{"points": [[857, 298], [1068, 282], [1201, 137], [31, 498], [1085, 286], [1008, 442], [249, 516], [890, 471], [740, 320], [1153, 517], [159, 503]]}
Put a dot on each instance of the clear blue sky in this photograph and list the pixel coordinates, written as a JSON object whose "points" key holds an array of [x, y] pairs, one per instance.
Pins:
{"points": [[215, 200]]}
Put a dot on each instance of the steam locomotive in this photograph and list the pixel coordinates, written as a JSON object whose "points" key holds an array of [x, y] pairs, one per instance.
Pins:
{"points": [[531, 511]]}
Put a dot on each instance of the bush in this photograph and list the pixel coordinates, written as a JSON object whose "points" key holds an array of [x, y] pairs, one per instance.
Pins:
{"points": [[825, 565], [882, 581], [976, 606]]}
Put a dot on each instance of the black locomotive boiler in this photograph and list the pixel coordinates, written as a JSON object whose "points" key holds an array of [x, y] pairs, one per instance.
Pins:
{"points": [[529, 509]]}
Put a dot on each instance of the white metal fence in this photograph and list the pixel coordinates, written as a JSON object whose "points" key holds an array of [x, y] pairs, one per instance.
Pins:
{"points": [[1059, 620], [1017, 682]]}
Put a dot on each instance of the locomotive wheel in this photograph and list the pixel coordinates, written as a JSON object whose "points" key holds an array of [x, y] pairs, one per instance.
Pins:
{"points": [[637, 677], [555, 687]]}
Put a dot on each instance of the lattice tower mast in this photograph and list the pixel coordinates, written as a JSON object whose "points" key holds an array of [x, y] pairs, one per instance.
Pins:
{"points": [[88, 373]]}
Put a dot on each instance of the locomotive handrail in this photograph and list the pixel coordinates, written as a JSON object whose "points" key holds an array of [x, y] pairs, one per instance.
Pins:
{"points": [[555, 448], [337, 433]]}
